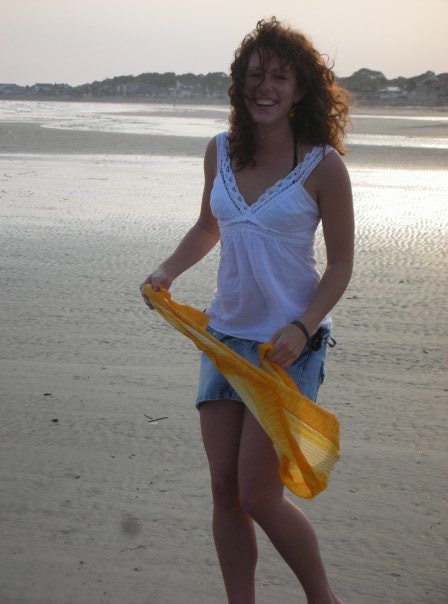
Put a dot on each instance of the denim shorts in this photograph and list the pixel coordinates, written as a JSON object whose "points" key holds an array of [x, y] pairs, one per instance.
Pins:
{"points": [[307, 371]]}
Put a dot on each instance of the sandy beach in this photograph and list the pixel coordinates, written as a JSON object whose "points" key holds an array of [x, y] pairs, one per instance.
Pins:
{"points": [[20, 137], [104, 485]]}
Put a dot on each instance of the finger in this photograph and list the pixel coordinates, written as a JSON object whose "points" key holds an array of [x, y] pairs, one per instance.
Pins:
{"points": [[144, 296], [143, 293], [276, 341], [274, 355], [281, 355], [148, 303], [282, 362], [287, 364], [155, 285], [281, 352], [275, 338], [145, 283], [278, 356]]}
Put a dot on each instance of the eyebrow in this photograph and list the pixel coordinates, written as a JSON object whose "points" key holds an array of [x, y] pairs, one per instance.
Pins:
{"points": [[280, 69]]}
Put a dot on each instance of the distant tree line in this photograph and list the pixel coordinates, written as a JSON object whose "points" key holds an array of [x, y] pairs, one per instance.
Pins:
{"points": [[373, 86], [368, 87]]}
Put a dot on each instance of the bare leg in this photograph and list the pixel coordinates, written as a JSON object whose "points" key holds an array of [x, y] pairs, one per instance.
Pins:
{"points": [[233, 530], [261, 495]]}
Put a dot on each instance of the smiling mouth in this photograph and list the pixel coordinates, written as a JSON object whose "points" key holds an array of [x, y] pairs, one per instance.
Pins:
{"points": [[265, 102]]}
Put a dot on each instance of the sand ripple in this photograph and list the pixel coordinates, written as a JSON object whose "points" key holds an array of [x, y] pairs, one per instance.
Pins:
{"points": [[104, 487]]}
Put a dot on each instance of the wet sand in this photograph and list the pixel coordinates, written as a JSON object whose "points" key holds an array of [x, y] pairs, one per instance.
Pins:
{"points": [[16, 137], [99, 503]]}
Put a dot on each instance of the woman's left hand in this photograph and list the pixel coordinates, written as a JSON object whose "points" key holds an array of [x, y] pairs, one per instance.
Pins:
{"points": [[288, 342]]}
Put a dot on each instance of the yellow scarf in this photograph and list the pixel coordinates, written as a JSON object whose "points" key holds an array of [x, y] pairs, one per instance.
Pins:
{"points": [[305, 436]]}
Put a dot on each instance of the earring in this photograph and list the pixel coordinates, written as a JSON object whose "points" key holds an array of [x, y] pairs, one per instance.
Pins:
{"points": [[292, 111]]}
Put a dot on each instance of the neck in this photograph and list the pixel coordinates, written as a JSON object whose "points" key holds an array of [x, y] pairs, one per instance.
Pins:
{"points": [[273, 136]]}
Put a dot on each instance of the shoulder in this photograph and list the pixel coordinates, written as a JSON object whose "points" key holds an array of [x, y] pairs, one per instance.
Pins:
{"points": [[211, 152], [332, 162], [331, 172], [210, 158]]}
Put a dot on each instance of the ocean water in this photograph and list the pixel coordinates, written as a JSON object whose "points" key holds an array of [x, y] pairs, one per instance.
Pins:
{"points": [[118, 117]]}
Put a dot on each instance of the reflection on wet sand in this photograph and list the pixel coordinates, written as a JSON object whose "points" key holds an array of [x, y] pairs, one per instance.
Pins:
{"points": [[84, 218]]}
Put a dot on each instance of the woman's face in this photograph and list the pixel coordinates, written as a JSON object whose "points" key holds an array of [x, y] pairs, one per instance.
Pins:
{"points": [[270, 89]]}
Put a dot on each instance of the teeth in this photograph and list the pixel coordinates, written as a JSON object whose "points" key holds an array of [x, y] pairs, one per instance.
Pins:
{"points": [[265, 102]]}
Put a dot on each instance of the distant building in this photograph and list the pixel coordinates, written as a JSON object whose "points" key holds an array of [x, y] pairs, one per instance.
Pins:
{"points": [[10, 89], [181, 90], [137, 89], [41, 87], [390, 92], [215, 93], [61, 89]]}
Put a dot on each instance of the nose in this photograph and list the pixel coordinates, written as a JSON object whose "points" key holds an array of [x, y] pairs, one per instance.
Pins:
{"points": [[265, 84]]}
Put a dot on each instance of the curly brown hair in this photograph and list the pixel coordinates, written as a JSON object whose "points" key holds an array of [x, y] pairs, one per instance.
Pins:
{"points": [[322, 113]]}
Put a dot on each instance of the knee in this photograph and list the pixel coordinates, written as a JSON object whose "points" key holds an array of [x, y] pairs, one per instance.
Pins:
{"points": [[225, 492], [254, 502]]}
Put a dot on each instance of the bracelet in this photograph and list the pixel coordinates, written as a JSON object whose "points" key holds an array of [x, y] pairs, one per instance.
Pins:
{"points": [[302, 327]]}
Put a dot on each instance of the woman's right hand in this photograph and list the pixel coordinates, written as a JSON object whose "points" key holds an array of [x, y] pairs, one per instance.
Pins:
{"points": [[156, 278]]}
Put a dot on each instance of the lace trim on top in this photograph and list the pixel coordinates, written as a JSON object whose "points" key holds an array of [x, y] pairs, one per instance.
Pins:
{"points": [[228, 178], [299, 174]]}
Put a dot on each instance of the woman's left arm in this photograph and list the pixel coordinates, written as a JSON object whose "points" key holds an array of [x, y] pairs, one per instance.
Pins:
{"points": [[331, 184], [334, 196]]}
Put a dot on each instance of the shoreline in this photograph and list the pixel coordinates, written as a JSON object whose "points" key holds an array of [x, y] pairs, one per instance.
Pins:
{"points": [[32, 139], [223, 102]]}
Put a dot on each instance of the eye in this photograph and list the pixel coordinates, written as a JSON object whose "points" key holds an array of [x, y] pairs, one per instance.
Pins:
{"points": [[280, 77]]}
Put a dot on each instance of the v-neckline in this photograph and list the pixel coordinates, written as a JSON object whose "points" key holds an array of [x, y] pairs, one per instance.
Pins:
{"points": [[269, 190]]}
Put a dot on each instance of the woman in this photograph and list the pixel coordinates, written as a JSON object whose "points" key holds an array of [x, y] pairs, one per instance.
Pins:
{"points": [[268, 182]]}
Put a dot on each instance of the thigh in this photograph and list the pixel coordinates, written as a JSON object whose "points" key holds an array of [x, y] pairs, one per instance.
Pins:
{"points": [[258, 465], [221, 425]]}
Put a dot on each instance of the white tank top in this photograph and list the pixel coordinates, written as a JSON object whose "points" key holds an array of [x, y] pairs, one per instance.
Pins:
{"points": [[267, 270]]}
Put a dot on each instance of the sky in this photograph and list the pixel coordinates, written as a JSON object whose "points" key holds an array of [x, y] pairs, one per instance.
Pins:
{"points": [[79, 41]]}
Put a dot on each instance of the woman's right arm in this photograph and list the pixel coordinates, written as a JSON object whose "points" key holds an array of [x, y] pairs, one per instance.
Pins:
{"points": [[199, 240]]}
